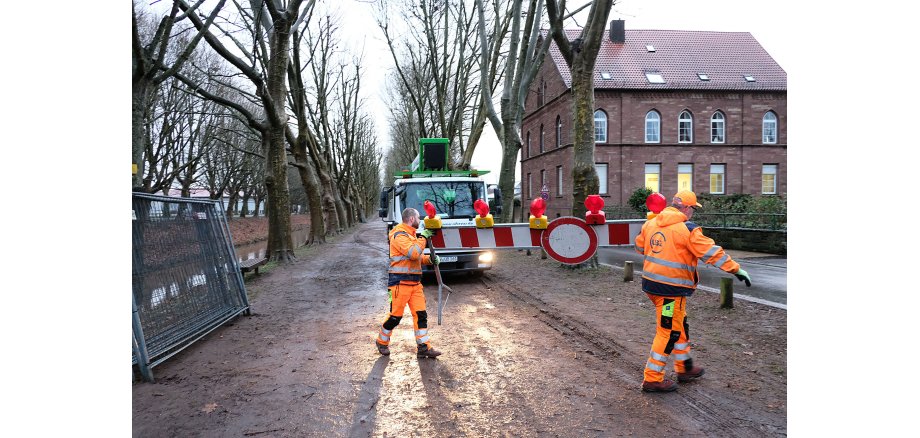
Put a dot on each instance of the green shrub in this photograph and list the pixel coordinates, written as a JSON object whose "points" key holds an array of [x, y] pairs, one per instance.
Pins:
{"points": [[637, 199]]}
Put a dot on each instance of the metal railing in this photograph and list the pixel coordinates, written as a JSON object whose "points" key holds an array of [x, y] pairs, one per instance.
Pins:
{"points": [[186, 278]]}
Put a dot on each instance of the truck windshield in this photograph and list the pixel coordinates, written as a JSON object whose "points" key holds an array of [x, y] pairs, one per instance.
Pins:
{"points": [[450, 199]]}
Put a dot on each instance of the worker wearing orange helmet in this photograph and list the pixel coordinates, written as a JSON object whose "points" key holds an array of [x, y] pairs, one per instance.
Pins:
{"points": [[405, 283], [672, 245]]}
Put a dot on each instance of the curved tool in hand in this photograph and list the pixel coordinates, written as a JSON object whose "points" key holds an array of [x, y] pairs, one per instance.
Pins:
{"points": [[441, 285]]}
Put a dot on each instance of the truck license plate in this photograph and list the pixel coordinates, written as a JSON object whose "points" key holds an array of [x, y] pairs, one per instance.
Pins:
{"points": [[448, 259]]}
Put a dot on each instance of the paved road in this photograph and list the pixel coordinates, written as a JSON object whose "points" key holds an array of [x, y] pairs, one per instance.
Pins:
{"points": [[768, 274]]}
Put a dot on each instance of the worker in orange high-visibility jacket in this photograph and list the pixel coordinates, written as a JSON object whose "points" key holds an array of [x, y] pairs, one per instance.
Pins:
{"points": [[404, 283], [672, 245]]}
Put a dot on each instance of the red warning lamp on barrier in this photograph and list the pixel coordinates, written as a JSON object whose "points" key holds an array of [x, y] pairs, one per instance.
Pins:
{"points": [[655, 203], [432, 221], [595, 216], [483, 219], [537, 218]]}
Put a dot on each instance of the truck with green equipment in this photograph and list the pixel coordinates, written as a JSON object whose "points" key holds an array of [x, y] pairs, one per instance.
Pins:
{"points": [[452, 192]]}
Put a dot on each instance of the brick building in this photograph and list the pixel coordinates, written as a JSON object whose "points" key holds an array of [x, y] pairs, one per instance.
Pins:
{"points": [[699, 110]]}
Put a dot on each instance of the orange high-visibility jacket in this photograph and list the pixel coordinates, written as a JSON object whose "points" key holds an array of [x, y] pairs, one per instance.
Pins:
{"points": [[406, 254], [672, 246]]}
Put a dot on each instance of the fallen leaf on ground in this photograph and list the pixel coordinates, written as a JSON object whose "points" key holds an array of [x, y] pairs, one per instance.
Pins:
{"points": [[210, 407]]}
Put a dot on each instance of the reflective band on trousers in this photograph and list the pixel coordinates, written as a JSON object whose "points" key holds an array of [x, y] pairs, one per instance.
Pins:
{"points": [[422, 340], [669, 264], [682, 356], [663, 278], [653, 366], [712, 251], [399, 270], [386, 332], [384, 338], [661, 357], [681, 346], [421, 332]]}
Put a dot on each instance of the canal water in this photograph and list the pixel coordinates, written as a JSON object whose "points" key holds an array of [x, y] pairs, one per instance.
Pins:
{"points": [[257, 250]]}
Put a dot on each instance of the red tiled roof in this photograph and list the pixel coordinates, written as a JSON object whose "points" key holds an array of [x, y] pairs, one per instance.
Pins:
{"points": [[726, 57]]}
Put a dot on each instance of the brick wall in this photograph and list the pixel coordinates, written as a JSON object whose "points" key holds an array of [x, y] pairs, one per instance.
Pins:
{"points": [[770, 242]]}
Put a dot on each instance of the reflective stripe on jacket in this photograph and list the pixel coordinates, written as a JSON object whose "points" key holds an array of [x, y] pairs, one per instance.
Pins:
{"points": [[672, 247], [406, 251]]}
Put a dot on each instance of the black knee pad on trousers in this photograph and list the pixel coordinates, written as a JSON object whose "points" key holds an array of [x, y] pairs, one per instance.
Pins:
{"points": [[675, 335], [391, 322], [422, 319]]}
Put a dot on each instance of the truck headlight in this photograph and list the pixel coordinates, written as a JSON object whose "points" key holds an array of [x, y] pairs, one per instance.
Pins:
{"points": [[486, 257]]}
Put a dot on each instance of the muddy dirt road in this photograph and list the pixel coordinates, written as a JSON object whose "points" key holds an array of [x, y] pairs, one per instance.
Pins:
{"points": [[530, 349]]}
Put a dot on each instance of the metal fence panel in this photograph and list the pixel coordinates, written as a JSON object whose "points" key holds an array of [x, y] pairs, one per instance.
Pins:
{"points": [[186, 278]]}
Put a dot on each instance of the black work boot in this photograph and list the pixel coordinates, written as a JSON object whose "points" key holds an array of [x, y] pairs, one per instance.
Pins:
{"points": [[666, 385], [690, 374], [383, 349], [426, 351]]}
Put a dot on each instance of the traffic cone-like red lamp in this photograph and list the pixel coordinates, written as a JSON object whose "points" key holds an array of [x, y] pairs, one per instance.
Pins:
{"points": [[594, 215], [483, 219], [537, 218]]}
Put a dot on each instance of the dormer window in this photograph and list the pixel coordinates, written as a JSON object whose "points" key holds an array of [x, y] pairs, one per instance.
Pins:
{"points": [[654, 77], [703, 76], [750, 78]]}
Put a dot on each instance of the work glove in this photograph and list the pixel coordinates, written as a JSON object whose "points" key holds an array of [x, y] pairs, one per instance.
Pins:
{"points": [[435, 260], [426, 233], [742, 275]]}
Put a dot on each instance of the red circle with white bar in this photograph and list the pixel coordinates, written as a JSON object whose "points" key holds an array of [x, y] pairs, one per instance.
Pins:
{"points": [[569, 240]]}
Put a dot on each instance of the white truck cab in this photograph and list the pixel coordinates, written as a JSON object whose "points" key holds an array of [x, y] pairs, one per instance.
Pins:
{"points": [[452, 193]]}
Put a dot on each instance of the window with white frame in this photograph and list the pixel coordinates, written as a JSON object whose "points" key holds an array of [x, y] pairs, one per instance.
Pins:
{"points": [[685, 127], [600, 127], [769, 179], [652, 127], [541, 139], [717, 179], [558, 180], [718, 127], [601, 169], [542, 179], [528, 144], [653, 176], [684, 177], [558, 132], [769, 127]]}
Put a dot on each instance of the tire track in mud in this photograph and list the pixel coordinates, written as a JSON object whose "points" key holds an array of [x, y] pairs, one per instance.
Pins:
{"points": [[719, 417]]}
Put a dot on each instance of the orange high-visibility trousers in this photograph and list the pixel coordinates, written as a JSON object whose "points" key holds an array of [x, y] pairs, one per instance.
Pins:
{"points": [[411, 293], [671, 337]]}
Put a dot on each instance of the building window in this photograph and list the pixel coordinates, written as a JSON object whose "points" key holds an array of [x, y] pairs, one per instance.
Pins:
{"points": [[652, 176], [769, 179], [529, 187], [542, 179], [684, 177], [541, 93], [685, 128], [558, 180], [558, 132], [600, 127], [717, 179], [541, 139], [601, 169], [528, 144], [718, 127], [769, 127], [652, 127]]}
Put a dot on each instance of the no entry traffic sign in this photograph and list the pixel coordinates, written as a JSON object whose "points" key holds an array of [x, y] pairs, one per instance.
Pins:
{"points": [[569, 240]]}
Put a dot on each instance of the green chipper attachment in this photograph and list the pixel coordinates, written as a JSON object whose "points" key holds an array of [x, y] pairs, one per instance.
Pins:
{"points": [[433, 159]]}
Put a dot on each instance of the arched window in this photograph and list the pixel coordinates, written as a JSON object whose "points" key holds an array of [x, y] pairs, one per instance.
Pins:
{"points": [[652, 127], [769, 127], [600, 127], [528, 144], [558, 132], [685, 127], [541, 139], [718, 128]]}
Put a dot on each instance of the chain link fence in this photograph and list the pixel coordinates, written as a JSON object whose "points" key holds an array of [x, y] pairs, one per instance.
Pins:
{"points": [[186, 278]]}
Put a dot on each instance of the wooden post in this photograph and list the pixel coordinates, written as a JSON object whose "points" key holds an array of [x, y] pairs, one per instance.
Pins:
{"points": [[628, 270], [726, 299]]}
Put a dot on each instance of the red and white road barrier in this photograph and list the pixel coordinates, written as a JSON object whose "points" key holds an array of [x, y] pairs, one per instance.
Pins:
{"points": [[567, 239]]}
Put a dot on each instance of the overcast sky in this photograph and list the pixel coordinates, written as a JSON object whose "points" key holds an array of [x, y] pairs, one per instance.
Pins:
{"points": [[766, 21]]}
